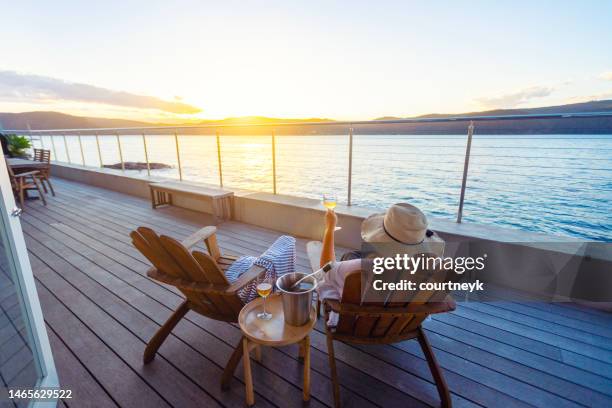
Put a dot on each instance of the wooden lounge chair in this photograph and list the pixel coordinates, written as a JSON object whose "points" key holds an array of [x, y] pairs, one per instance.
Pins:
{"points": [[44, 156], [387, 322], [200, 277], [23, 182]]}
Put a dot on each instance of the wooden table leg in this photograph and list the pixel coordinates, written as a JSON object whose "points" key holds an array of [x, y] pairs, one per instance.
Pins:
{"points": [[258, 353], [248, 379], [306, 387]]}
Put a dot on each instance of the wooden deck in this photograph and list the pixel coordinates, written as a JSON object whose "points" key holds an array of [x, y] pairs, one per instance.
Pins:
{"points": [[101, 309]]}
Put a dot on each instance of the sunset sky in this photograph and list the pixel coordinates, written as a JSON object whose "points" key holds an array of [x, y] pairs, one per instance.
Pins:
{"points": [[160, 60]]}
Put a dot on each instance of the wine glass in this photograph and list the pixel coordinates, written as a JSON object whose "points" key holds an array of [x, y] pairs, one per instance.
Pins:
{"points": [[330, 200], [263, 290]]}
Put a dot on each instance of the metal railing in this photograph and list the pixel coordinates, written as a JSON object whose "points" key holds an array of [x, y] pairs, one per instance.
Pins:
{"points": [[470, 121]]}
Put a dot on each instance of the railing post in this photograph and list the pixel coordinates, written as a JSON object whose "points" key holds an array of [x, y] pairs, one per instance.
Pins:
{"points": [[146, 152], [81, 147], [178, 156], [66, 147], [42, 142], [219, 159], [466, 164], [350, 165], [120, 151], [99, 151], [54, 149], [273, 161]]}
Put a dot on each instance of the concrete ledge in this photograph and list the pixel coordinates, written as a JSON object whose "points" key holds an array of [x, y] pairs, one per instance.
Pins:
{"points": [[104, 178]]}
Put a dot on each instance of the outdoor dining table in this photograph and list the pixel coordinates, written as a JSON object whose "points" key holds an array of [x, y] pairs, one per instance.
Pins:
{"points": [[24, 164]]}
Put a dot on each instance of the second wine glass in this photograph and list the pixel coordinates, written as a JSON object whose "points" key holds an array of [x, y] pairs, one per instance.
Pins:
{"points": [[264, 289]]}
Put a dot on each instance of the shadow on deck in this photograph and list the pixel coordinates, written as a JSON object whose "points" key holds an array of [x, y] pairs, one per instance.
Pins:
{"points": [[101, 309]]}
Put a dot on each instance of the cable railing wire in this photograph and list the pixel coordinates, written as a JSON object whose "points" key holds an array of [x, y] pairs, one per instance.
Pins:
{"points": [[547, 188], [537, 175]]}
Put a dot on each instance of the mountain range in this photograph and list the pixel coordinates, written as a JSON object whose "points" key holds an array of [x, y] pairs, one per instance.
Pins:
{"points": [[56, 120]]}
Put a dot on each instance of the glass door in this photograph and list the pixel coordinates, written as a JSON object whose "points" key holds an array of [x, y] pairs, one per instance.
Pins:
{"points": [[26, 362]]}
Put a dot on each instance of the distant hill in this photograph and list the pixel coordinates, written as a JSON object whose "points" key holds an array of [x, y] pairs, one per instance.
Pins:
{"points": [[260, 120], [592, 106], [55, 120], [527, 126]]}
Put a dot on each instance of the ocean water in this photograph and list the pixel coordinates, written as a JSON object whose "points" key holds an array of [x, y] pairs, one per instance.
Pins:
{"points": [[554, 184]]}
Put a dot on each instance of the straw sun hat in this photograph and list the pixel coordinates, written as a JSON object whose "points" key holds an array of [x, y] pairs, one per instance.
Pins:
{"points": [[402, 224]]}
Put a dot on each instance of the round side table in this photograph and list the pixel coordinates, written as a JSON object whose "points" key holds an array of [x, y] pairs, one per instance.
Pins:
{"points": [[274, 333]]}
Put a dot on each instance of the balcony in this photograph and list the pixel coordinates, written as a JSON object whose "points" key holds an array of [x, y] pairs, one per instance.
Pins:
{"points": [[101, 309]]}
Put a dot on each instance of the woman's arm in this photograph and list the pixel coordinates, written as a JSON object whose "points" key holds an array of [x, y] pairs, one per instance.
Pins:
{"points": [[327, 253]]}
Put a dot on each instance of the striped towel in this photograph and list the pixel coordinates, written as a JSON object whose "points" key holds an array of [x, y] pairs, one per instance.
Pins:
{"points": [[278, 260]]}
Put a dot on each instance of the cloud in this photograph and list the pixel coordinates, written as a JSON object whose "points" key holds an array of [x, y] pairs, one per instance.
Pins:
{"points": [[37, 88], [516, 98], [606, 76]]}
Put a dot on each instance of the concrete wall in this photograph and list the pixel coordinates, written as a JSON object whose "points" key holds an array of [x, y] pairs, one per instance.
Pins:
{"points": [[136, 186]]}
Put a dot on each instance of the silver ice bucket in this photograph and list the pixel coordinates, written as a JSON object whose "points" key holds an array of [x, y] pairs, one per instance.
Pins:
{"points": [[296, 305]]}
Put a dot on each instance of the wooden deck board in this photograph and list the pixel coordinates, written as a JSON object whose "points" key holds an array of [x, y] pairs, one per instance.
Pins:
{"points": [[75, 376], [101, 309]]}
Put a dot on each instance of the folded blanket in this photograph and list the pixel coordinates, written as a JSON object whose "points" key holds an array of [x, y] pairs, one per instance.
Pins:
{"points": [[278, 260]]}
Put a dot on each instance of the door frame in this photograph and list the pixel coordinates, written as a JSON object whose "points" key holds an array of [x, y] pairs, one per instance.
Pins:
{"points": [[26, 287]]}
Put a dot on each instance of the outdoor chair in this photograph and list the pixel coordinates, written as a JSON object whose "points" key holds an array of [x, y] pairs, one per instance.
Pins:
{"points": [[23, 182], [200, 277], [44, 156], [388, 322]]}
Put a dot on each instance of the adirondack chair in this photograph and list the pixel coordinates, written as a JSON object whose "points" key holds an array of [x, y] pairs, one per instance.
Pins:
{"points": [[387, 322], [200, 277]]}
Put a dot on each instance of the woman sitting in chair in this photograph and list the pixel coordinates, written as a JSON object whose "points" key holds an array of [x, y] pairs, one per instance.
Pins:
{"points": [[402, 225], [351, 318]]}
